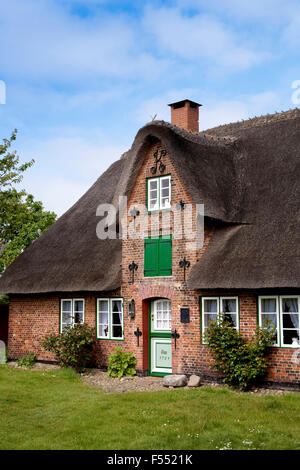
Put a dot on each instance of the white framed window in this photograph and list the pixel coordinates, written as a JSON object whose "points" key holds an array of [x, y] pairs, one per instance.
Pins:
{"points": [[289, 319], [71, 312], [212, 307], [229, 306], [159, 193], [268, 308], [162, 315], [110, 319]]}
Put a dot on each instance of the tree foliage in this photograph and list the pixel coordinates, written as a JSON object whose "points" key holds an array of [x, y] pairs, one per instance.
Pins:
{"points": [[22, 219], [241, 362]]}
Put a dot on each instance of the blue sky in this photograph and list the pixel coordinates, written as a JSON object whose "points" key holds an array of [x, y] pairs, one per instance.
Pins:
{"points": [[83, 76]]}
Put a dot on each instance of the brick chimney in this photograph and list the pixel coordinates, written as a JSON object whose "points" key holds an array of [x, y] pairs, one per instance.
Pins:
{"points": [[185, 114]]}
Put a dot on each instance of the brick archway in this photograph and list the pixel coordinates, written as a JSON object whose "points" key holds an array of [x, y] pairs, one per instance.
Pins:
{"points": [[147, 292]]}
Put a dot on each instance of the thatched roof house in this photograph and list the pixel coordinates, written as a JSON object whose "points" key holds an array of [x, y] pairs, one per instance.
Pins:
{"points": [[247, 176]]}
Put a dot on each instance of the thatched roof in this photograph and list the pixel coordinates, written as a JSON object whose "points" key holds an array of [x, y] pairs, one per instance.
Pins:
{"points": [[246, 174]]}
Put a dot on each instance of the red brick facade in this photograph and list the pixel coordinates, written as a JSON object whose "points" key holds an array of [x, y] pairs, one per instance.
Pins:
{"points": [[32, 317]]}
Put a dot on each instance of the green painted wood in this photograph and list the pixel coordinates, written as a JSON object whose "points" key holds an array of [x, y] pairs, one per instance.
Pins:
{"points": [[151, 257], [158, 256]]}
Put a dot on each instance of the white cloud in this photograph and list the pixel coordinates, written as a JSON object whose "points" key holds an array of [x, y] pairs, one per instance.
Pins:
{"points": [[45, 40], [200, 37], [224, 112], [272, 11], [65, 167]]}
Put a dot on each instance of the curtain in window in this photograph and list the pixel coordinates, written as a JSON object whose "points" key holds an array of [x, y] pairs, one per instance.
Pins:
{"points": [[290, 320], [117, 318], [229, 309]]}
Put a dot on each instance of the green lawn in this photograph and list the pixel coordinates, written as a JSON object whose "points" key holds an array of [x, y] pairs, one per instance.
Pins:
{"points": [[55, 410]]}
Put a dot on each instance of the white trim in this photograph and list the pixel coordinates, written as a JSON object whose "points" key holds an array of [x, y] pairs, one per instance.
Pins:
{"points": [[203, 313], [281, 320], [260, 312], [237, 309], [158, 205], [109, 318], [72, 311], [160, 191], [155, 328]]}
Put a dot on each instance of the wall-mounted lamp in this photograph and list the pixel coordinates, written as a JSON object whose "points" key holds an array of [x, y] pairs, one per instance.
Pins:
{"points": [[131, 308]]}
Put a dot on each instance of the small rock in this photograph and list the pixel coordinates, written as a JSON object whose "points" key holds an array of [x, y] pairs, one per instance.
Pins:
{"points": [[194, 381], [174, 380]]}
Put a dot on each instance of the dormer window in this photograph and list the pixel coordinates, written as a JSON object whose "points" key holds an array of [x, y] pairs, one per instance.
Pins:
{"points": [[159, 193]]}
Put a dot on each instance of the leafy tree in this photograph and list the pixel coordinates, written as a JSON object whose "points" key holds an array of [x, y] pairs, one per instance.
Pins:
{"points": [[22, 219]]}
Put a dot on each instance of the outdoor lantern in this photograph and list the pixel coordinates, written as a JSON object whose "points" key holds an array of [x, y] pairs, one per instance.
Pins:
{"points": [[131, 308]]}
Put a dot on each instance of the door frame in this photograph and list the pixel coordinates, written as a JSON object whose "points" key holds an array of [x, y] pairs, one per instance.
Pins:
{"points": [[165, 335]]}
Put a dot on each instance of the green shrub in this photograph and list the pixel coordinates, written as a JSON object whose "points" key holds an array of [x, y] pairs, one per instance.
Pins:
{"points": [[121, 364], [73, 347], [242, 363], [28, 360]]}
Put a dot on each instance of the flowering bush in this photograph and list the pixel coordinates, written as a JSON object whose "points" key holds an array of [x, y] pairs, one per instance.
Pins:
{"points": [[241, 362], [73, 347]]}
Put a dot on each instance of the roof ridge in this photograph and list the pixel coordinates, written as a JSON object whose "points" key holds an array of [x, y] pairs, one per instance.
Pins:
{"points": [[192, 135], [257, 121]]}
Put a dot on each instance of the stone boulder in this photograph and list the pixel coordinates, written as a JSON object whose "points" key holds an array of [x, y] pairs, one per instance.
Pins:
{"points": [[175, 381], [194, 381]]}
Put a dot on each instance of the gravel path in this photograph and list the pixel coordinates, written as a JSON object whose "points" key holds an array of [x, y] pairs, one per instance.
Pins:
{"points": [[99, 378]]}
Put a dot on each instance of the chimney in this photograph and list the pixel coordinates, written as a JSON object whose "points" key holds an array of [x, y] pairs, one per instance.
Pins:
{"points": [[185, 114]]}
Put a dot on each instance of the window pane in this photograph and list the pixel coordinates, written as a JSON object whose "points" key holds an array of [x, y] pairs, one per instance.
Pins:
{"points": [[66, 318], [78, 317], [268, 305], [165, 183], [210, 306], [231, 319], [78, 306], [208, 318], [117, 331], [153, 184], [290, 320], [290, 337], [116, 318], [103, 305], [103, 330], [103, 317], [165, 193], [66, 305], [165, 203], [270, 318], [290, 305], [228, 305]]}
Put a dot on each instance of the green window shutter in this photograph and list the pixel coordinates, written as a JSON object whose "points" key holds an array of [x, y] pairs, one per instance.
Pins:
{"points": [[165, 257], [151, 257]]}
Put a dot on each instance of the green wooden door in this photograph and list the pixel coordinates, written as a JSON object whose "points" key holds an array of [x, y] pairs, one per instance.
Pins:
{"points": [[160, 337]]}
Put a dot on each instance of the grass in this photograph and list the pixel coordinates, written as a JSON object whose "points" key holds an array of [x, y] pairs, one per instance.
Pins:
{"points": [[55, 410]]}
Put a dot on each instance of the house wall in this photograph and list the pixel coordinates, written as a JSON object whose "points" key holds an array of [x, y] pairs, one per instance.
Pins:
{"points": [[31, 317]]}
